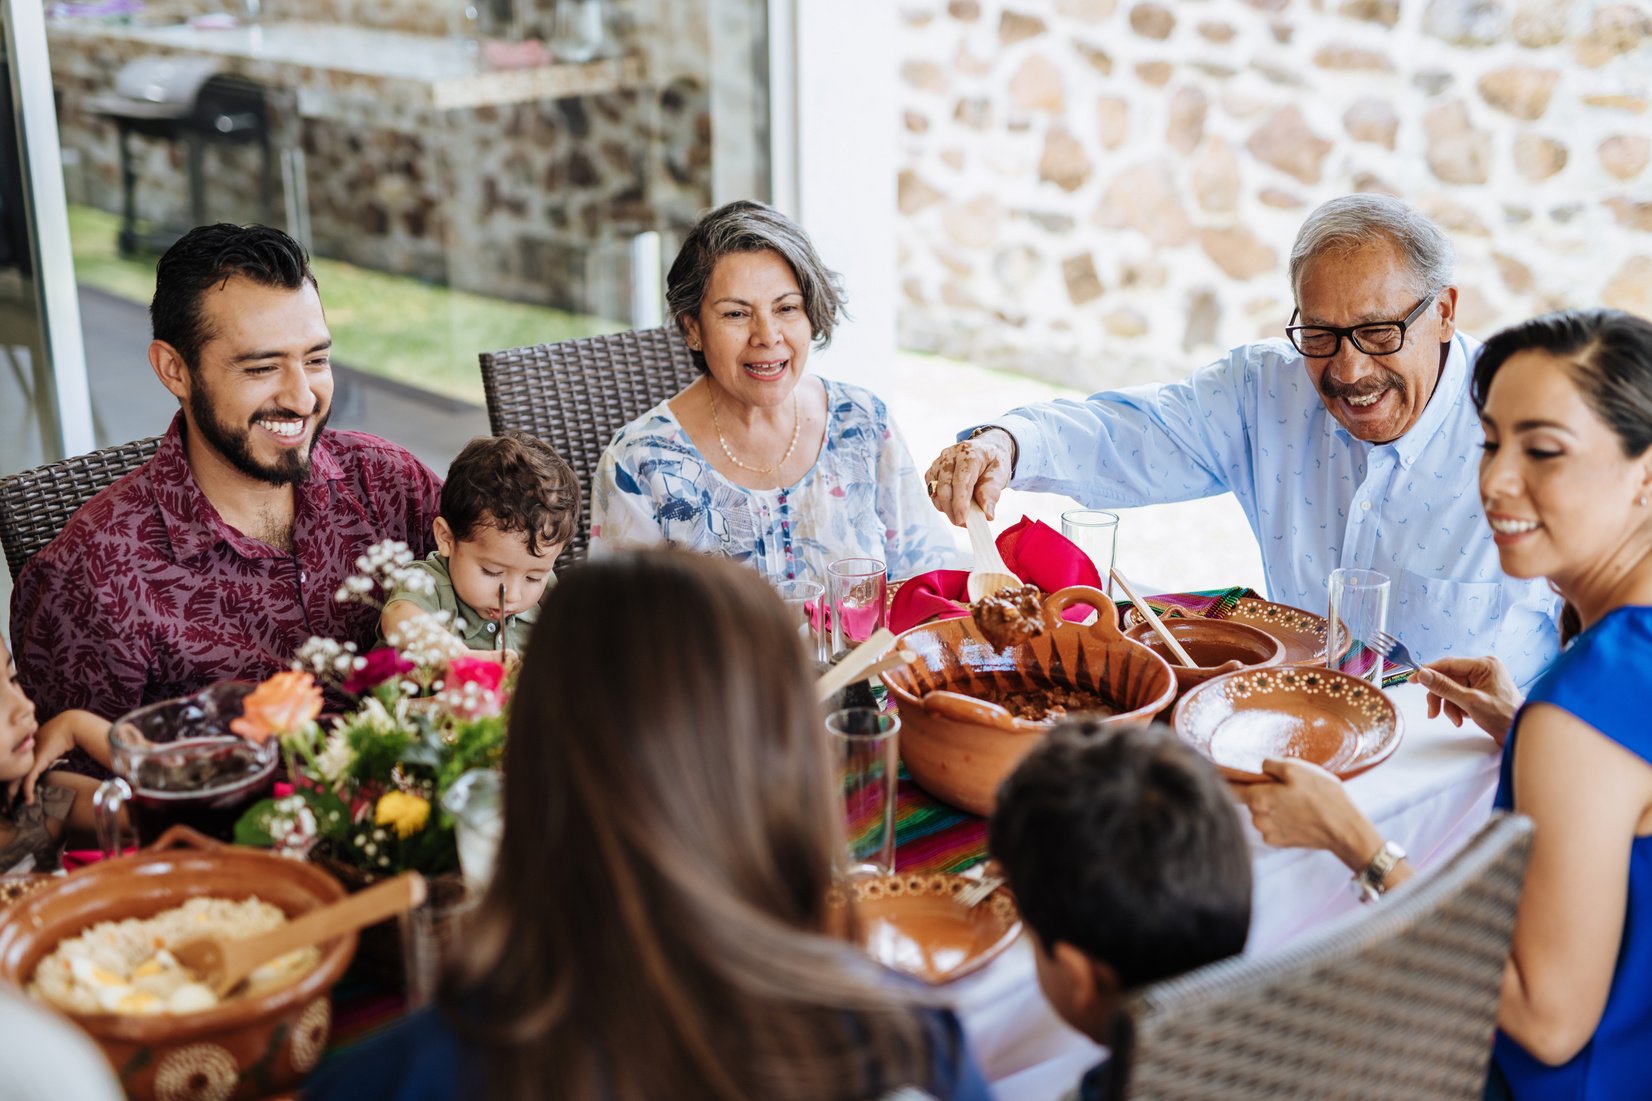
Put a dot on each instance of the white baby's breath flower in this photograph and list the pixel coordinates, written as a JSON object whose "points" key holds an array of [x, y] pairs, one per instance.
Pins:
{"points": [[335, 758]]}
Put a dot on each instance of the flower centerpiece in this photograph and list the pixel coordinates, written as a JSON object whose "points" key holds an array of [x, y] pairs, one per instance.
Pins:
{"points": [[367, 784]]}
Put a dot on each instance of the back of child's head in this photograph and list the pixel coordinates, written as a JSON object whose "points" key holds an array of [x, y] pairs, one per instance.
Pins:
{"points": [[513, 482], [1124, 843]]}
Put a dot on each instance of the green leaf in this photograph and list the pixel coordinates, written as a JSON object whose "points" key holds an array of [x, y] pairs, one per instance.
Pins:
{"points": [[253, 829]]}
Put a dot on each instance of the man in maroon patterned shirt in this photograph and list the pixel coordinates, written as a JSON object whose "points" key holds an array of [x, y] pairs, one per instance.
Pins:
{"points": [[220, 556]]}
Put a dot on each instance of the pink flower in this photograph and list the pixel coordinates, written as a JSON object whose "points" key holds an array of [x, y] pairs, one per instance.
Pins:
{"points": [[377, 667], [473, 688]]}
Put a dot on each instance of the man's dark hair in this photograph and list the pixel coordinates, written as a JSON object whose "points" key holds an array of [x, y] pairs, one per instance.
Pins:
{"points": [[512, 482], [1124, 843], [207, 256]]}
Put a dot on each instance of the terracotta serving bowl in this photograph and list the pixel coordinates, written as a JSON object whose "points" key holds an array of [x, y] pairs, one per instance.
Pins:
{"points": [[1341, 723], [1218, 645], [246, 1048], [957, 745], [915, 924]]}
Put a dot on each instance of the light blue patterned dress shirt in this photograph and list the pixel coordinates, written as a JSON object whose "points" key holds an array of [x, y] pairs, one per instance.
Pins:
{"points": [[861, 499], [1253, 424]]}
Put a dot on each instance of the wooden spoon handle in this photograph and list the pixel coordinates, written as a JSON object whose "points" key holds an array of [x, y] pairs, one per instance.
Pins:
{"points": [[987, 558], [381, 900], [854, 664], [1148, 614]]}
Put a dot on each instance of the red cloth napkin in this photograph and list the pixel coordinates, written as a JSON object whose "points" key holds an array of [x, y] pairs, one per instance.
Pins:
{"points": [[1034, 552]]}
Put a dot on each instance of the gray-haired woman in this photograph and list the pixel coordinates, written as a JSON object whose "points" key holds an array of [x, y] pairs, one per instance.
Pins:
{"points": [[756, 460]]}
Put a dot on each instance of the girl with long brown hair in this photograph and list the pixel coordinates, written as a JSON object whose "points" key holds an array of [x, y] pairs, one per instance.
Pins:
{"points": [[659, 924]]}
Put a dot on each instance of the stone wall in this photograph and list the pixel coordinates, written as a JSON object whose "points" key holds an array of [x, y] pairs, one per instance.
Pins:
{"points": [[1104, 192]]}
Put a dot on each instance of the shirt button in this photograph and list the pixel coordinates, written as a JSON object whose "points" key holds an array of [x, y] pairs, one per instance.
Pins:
{"points": [[493, 628], [1365, 506]]}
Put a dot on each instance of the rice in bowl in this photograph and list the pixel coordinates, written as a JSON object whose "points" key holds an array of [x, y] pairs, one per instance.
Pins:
{"points": [[125, 967]]}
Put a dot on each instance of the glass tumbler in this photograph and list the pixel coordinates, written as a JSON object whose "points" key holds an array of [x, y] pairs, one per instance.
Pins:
{"points": [[856, 589], [864, 746], [806, 606], [1358, 610], [1096, 533]]}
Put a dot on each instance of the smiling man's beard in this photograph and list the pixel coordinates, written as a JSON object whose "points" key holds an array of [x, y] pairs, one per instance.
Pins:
{"points": [[235, 444]]}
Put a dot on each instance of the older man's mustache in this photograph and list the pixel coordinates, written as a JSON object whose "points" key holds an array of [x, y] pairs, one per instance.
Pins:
{"points": [[1354, 391]]}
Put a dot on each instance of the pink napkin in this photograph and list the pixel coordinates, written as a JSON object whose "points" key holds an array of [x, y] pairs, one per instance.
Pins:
{"points": [[1034, 552]]}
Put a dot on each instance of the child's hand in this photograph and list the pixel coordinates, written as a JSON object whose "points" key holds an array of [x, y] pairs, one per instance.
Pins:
{"points": [[61, 734]]}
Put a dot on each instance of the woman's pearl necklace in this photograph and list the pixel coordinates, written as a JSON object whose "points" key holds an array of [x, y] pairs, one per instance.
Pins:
{"points": [[797, 430]]}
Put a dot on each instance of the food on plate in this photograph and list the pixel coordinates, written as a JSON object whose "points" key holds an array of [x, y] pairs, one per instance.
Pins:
{"points": [[1009, 615], [126, 967]]}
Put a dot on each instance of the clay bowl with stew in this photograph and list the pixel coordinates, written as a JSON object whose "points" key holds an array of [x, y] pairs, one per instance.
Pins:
{"points": [[247, 1047], [1216, 645], [959, 743]]}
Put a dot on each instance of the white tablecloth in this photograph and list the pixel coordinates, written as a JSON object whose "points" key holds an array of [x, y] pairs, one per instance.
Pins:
{"points": [[1429, 796]]}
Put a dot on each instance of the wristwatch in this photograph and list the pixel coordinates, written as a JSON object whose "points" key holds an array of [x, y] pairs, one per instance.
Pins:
{"points": [[1015, 450], [1371, 883]]}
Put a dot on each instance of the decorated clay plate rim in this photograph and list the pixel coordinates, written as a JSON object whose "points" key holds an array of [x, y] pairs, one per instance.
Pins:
{"points": [[1000, 906], [1301, 632], [1286, 674]]}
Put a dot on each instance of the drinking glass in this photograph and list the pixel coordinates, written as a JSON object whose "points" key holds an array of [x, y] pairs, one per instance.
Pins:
{"points": [[178, 761], [806, 605], [1359, 609], [864, 742], [477, 803], [1096, 533], [857, 590]]}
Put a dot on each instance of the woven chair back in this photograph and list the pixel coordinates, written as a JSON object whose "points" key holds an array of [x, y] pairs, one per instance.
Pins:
{"points": [[576, 394], [35, 504], [1397, 1001]]}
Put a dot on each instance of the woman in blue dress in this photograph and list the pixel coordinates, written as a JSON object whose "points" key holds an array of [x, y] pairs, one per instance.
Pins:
{"points": [[1566, 478], [758, 460], [660, 922]]}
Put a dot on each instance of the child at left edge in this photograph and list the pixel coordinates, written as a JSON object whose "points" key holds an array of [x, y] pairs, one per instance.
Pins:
{"points": [[509, 505]]}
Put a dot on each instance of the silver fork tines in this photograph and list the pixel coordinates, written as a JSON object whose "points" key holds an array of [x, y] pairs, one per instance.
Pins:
{"points": [[979, 891], [1393, 650]]}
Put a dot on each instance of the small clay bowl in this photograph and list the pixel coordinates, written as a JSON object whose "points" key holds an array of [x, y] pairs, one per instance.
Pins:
{"points": [[958, 745], [915, 924], [1217, 645], [248, 1047]]}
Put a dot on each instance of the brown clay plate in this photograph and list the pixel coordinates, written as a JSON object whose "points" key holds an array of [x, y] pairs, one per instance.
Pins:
{"points": [[1339, 722], [914, 924], [1302, 633]]}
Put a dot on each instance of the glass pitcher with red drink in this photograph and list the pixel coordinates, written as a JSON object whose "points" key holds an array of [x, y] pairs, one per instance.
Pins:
{"points": [[179, 761]]}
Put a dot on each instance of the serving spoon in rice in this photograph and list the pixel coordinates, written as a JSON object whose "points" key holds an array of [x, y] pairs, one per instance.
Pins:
{"points": [[222, 962]]}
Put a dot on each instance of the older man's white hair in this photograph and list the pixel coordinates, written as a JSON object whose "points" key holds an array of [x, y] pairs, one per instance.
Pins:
{"points": [[1353, 222]]}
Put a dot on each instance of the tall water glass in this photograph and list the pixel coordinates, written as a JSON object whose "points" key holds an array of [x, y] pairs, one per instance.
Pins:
{"points": [[864, 743], [1358, 610], [806, 607], [1096, 533], [856, 590]]}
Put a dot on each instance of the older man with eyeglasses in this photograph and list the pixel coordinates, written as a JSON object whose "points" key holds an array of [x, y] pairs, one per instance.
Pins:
{"points": [[1353, 443]]}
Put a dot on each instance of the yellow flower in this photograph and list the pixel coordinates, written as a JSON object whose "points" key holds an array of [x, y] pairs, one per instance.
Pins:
{"points": [[407, 813]]}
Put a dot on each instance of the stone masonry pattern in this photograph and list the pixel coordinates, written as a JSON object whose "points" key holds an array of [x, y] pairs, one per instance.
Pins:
{"points": [[1104, 192]]}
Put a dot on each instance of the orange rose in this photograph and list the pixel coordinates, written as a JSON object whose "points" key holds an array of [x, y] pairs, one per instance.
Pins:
{"points": [[281, 704]]}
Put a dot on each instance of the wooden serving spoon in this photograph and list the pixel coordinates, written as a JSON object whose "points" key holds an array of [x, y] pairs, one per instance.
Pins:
{"points": [[990, 575], [1159, 628], [222, 962]]}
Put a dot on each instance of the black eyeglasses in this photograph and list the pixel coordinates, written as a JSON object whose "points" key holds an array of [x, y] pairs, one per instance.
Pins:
{"points": [[1377, 338]]}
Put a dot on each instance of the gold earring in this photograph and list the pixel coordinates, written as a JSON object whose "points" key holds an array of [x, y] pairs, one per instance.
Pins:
{"points": [[694, 346]]}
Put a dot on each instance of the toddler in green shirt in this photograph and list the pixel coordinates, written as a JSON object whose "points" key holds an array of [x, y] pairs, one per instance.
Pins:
{"points": [[509, 506]]}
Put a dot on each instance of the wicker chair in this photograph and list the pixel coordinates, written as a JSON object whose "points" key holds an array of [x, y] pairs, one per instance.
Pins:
{"points": [[576, 394], [1397, 1001], [35, 504]]}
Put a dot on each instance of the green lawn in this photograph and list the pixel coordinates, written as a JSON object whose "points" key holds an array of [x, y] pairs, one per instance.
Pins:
{"points": [[391, 325]]}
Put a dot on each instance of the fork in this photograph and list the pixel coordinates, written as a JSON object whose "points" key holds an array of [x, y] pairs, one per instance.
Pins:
{"points": [[1393, 650], [979, 891]]}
